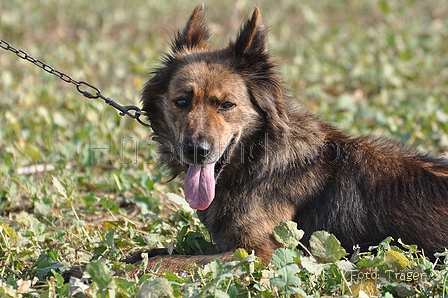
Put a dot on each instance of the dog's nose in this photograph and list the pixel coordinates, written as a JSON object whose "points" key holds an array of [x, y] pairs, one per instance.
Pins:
{"points": [[196, 151]]}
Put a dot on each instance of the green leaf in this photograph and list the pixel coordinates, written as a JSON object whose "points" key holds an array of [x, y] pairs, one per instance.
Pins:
{"points": [[384, 6], [233, 292], [383, 245], [174, 278], [44, 265], [411, 248], [61, 189], [284, 256], [214, 268], [32, 152], [36, 227], [396, 259], [326, 248], [193, 243], [240, 254], [100, 273], [110, 239], [287, 233], [179, 201], [157, 287], [287, 278], [370, 261], [124, 286], [59, 278], [41, 208], [10, 232], [220, 294]]}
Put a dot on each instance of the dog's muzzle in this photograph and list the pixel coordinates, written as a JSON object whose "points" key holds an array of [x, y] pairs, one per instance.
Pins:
{"points": [[196, 153]]}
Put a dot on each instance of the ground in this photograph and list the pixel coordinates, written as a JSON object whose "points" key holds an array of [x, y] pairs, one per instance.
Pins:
{"points": [[367, 66]]}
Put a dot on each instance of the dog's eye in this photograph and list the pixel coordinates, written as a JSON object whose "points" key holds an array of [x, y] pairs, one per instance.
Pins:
{"points": [[228, 105], [181, 102]]}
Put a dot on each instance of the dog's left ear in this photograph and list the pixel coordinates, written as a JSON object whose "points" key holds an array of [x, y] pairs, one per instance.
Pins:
{"points": [[196, 33], [252, 39], [251, 55]]}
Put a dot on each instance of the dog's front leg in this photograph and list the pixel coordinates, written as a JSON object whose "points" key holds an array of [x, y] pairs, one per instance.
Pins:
{"points": [[174, 263], [154, 252]]}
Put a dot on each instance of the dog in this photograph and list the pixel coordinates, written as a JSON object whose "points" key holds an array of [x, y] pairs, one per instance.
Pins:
{"points": [[251, 157]]}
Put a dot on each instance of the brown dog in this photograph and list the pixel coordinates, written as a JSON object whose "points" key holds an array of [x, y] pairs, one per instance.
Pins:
{"points": [[253, 158]]}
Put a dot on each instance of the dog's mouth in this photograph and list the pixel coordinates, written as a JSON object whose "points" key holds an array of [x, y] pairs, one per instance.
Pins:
{"points": [[200, 181]]}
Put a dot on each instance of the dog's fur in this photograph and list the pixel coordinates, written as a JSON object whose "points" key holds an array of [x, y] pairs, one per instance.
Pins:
{"points": [[274, 161]]}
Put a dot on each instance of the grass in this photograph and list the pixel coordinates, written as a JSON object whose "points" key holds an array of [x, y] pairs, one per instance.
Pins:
{"points": [[375, 67]]}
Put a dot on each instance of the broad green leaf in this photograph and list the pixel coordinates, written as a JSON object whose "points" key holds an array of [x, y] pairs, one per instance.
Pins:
{"points": [[240, 254], [287, 233], [157, 287], [233, 292], [100, 273], [193, 243], [326, 248], [287, 279], [284, 256], [396, 259], [124, 286], [213, 268], [44, 265], [312, 266]]}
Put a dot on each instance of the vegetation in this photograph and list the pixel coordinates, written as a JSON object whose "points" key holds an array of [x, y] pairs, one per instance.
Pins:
{"points": [[79, 184]]}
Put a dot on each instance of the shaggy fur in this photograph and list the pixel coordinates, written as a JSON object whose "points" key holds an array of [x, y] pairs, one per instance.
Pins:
{"points": [[274, 161]]}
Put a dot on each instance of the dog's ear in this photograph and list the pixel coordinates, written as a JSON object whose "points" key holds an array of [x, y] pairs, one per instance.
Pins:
{"points": [[251, 58], [252, 39], [195, 34]]}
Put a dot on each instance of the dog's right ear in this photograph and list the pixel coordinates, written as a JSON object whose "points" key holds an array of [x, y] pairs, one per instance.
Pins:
{"points": [[195, 34], [252, 39]]}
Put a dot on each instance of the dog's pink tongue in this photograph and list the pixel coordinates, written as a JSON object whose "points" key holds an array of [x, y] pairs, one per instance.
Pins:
{"points": [[200, 186]]}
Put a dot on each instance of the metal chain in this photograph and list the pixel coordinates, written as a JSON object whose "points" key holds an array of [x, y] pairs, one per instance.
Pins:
{"points": [[82, 87]]}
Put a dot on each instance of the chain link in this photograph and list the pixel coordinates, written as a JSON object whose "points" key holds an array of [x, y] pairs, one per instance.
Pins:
{"points": [[86, 89]]}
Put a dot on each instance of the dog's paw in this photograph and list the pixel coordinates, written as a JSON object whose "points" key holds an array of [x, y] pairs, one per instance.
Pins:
{"points": [[76, 272]]}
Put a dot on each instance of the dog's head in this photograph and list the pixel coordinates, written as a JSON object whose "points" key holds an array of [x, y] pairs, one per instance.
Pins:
{"points": [[203, 102]]}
